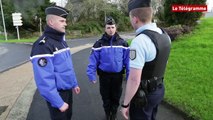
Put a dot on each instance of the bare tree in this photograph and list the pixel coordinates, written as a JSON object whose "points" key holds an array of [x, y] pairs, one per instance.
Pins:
{"points": [[156, 4]]}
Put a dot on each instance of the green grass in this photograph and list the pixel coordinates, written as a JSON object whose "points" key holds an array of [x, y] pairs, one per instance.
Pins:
{"points": [[30, 40], [1, 37], [189, 75]]}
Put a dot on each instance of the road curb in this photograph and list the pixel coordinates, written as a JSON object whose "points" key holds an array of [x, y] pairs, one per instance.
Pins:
{"points": [[176, 110], [21, 107]]}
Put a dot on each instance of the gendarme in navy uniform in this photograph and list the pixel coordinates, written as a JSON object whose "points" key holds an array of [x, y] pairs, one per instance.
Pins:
{"points": [[149, 53], [110, 58], [52, 65]]}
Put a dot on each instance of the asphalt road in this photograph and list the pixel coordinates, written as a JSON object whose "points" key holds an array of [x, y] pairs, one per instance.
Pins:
{"points": [[12, 55], [88, 104], [77, 42]]}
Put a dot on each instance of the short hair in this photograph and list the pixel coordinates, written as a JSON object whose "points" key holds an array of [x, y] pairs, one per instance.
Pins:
{"points": [[48, 17], [144, 14]]}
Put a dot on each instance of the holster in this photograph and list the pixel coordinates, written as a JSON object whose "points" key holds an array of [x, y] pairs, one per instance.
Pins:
{"points": [[146, 86], [151, 84], [139, 99]]}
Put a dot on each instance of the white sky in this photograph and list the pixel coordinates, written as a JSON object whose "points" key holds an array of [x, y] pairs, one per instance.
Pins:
{"points": [[210, 4], [61, 3]]}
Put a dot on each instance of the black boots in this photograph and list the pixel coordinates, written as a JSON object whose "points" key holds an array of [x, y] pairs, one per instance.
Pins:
{"points": [[111, 114], [107, 113]]}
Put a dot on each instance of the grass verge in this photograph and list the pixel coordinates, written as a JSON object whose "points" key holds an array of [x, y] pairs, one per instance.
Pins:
{"points": [[189, 72], [30, 40]]}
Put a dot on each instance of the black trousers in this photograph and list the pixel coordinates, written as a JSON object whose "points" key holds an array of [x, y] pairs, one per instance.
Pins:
{"points": [[55, 113], [148, 112], [110, 90]]}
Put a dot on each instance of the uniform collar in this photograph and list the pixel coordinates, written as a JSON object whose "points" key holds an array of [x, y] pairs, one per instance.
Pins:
{"points": [[149, 26], [54, 34], [107, 37]]}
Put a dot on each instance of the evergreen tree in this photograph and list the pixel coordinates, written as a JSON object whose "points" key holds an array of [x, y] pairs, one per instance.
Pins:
{"points": [[8, 8], [183, 18], [31, 11]]}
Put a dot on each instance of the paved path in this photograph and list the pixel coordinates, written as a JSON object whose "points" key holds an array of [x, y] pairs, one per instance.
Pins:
{"points": [[12, 83], [13, 55]]}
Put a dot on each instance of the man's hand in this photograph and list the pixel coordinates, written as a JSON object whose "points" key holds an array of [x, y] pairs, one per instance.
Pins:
{"points": [[64, 107], [77, 90], [125, 112]]}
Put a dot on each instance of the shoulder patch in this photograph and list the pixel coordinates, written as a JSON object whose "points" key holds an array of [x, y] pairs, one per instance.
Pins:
{"points": [[132, 54], [42, 41], [42, 62]]}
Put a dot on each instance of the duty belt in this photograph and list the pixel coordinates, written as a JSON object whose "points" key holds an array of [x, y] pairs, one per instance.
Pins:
{"points": [[101, 72]]}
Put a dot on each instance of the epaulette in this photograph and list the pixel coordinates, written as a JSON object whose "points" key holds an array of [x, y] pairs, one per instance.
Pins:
{"points": [[42, 41]]}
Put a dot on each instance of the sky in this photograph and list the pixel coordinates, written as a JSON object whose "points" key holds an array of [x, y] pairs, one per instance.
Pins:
{"points": [[210, 5], [63, 3]]}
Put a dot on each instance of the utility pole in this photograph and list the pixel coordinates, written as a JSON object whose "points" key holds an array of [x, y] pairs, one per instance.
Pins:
{"points": [[2, 13]]}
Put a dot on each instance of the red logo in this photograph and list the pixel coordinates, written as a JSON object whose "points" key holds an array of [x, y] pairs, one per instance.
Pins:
{"points": [[189, 8]]}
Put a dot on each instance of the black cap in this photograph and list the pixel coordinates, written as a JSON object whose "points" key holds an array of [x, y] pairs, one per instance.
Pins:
{"points": [[109, 21], [132, 4], [56, 10]]}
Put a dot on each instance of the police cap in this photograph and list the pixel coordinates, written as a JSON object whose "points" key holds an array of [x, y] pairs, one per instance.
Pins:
{"points": [[133, 4], [56, 10], [109, 21]]}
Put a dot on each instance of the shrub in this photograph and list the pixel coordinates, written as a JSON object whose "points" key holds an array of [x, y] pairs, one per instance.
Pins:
{"points": [[174, 31], [177, 30]]}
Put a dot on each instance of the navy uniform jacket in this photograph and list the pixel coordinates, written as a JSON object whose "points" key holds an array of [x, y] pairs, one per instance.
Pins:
{"points": [[109, 54], [52, 65]]}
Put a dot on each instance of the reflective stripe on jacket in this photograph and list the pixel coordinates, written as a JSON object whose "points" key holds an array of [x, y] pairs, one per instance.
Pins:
{"points": [[110, 54]]}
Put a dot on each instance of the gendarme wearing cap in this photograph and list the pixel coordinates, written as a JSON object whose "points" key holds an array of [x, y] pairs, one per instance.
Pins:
{"points": [[56, 10], [133, 4], [109, 21]]}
